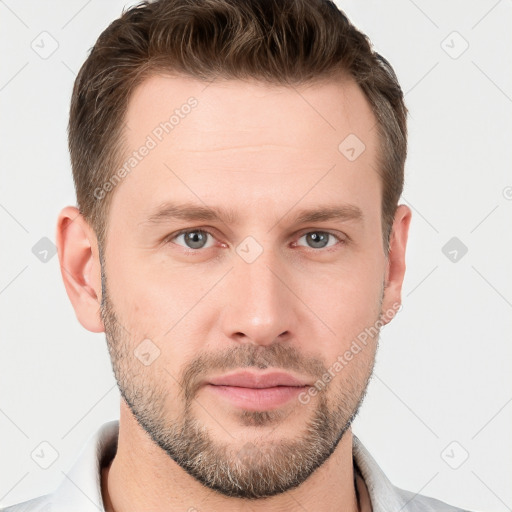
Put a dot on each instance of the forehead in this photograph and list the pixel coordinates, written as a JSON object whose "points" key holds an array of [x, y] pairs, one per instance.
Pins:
{"points": [[234, 111], [247, 142]]}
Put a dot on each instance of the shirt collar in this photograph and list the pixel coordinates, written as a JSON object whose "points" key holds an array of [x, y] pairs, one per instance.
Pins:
{"points": [[81, 486]]}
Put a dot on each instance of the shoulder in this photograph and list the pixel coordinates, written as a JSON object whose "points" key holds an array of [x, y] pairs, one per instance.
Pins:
{"points": [[39, 504], [420, 503], [384, 496], [80, 490]]}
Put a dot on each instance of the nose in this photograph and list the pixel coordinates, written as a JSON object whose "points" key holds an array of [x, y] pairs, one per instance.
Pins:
{"points": [[260, 306]]}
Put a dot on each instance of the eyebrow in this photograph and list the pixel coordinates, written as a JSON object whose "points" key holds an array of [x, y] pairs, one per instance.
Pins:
{"points": [[192, 212]]}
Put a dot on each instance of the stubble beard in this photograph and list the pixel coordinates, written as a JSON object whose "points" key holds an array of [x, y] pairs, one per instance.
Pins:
{"points": [[257, 469]]}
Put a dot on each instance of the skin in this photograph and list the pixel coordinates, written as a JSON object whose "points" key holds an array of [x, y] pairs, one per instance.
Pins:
{"points": [[266, 152]]}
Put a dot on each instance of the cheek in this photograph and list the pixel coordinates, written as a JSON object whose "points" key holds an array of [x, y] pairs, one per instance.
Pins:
{"points": [[348, 303], [171, 308], [153, 297]]}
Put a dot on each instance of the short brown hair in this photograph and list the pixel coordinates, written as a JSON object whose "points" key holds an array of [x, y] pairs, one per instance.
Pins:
{"points": [[287, 42]]}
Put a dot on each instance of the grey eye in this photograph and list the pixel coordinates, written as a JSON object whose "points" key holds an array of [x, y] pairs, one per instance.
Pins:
{"points": [[195, 239], [317, 239]]}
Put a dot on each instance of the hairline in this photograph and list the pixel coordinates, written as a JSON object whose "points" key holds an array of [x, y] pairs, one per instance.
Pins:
{"points": [[120, 149]]}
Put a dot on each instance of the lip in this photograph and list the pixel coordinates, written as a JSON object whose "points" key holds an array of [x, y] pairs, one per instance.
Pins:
{"points": [[247, 379], [256, 391]]}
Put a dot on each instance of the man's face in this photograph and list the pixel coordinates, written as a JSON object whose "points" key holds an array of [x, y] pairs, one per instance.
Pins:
{"points": [[218, 328]]}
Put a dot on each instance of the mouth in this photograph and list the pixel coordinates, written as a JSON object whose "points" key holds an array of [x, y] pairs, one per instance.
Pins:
{"points": [[254, 391]]}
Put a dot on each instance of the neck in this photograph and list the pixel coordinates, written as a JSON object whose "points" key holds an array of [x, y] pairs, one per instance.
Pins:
{"points": [[143, 477]]}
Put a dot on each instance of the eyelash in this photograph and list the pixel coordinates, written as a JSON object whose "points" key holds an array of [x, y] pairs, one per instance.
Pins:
{"points": [[169, 239]]}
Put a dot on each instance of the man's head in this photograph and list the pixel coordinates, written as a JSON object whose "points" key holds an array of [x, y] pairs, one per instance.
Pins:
{"points": [[287, 42], [254, 246]]}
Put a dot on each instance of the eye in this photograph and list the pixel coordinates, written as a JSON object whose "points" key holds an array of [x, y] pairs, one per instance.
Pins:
{"points": [[197, 239], [319, 239], [193, 239]]}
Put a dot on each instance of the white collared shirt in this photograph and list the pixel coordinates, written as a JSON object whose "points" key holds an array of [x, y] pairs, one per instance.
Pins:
{"points": [[80, 491]]}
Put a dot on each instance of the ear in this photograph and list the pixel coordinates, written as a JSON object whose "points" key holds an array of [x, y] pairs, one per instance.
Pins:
{"points": [[395, 269], [77, 248]]}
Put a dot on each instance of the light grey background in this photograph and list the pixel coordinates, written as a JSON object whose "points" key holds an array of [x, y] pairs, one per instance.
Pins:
{"points": [[442, 388]]}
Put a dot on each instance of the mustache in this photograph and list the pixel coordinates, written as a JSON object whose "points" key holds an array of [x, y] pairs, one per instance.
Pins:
{"points": [[277, 355]]}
